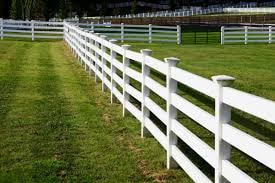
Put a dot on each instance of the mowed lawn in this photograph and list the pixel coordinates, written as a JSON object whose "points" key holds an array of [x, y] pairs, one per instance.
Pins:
{"points": [[57, 126]]}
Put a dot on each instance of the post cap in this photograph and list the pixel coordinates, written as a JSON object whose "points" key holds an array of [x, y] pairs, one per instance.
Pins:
{"points": [[113, 41], [97, 34], [103, 36], [146, 52], [126, 46], [172, 61], [223, 80], [91, 32]]}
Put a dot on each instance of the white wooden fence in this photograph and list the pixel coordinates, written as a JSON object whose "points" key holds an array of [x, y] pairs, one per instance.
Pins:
{"points": [[91, 50], [31, 29], [37, 29], [148, 33], [247, 34], [249, 10]]}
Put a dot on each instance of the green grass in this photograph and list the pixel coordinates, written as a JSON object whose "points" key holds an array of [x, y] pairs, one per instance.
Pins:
{"points": [[253, 67], [57, 126]]}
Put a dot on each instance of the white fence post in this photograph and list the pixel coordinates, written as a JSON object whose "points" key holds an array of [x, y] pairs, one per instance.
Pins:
{"points": [[144, 90], [126, 79], [32, 27], [150, 33], [97, 59], [122, 32], [171, 87], [222, 116], [86, 48], [92, 26], [1, 27], [113, 69], [270, 34], [103, 61], [245, 34], [178, 34], [222, 35], [91, 51]]}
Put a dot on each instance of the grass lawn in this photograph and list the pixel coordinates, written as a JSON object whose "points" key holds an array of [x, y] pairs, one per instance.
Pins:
{"points": [[57, 126]]}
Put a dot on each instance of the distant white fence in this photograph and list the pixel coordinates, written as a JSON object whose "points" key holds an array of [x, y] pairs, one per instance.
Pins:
{"points": [[249, 10], [55, 30], [148, 33], [247, 34], [31, 29], [102, 57]]}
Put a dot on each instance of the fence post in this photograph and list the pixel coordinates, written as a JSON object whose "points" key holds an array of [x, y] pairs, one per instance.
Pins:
{"points": [[126, 79], [97, 59], [171, 87], [222, 35], [113, 69], [86, 48], [150, 33], [145, 90], [103, 61], [245, 34], [1, 27], [92, 26], [32, 27], [178, 34], [122, 32], [222, 116], [270, 34]]}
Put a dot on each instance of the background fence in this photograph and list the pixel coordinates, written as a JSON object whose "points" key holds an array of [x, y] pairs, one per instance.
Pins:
{"points": [[249, 10], [247, 34], [150, 33], [114, 66], [55, 30], [31, 29]]}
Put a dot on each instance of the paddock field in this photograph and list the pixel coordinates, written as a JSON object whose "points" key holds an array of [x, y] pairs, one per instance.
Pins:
{"points": [[56, 125]]}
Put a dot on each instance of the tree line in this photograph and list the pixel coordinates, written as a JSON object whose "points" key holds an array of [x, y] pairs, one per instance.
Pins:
{"points": [[46, 9]]}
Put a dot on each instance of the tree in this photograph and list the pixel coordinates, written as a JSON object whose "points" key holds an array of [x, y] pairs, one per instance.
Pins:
{"points": [[26, 8], [134, 7], [15, 11]]}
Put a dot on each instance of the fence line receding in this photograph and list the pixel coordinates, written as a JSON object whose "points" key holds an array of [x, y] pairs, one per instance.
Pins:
{"points": [[102, 57]]}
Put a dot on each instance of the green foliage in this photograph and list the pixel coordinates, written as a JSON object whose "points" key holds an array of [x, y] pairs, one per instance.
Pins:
{"points": [[15, 12], [134, 7]]}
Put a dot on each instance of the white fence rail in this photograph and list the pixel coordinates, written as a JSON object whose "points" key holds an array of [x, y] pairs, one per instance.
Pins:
{"points": [[148, 33], [31, 29], [243, 7], [37, 29], [249, 10], [100, 57], [247, 34]]}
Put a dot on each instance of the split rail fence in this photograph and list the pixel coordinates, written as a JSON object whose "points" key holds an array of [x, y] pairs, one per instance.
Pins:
{"points": [[247, 34], [55, 30], [103, 58], [31, 29], [150, 33]]}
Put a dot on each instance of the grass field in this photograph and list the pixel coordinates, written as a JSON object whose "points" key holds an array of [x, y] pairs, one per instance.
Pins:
{"points": [[56, 125]]}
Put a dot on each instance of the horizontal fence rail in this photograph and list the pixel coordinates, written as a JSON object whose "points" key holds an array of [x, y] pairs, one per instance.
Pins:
{"points": [[110, 63], [31, 29], [123, 32], [247, 34]]}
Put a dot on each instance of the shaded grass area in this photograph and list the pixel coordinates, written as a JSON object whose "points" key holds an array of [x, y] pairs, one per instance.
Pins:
{"points": [[57, 126], [251, 65]]}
